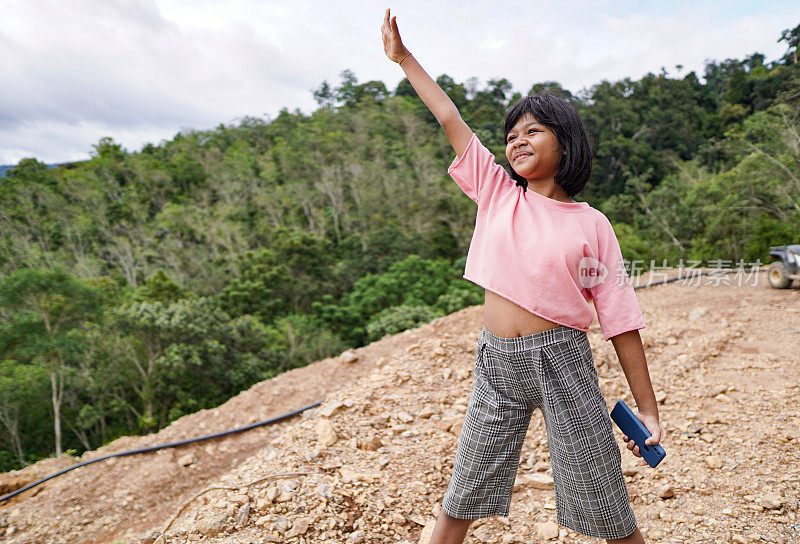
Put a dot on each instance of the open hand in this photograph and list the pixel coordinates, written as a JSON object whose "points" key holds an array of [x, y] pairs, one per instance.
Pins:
{"points": [[392, 44], [652, 424]]}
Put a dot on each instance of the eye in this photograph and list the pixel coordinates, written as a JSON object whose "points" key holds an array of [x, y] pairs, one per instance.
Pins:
{"points": [[510, 138]]}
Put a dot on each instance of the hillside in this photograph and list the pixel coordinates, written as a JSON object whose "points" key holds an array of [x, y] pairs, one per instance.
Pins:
{"points": [[376, 457]]}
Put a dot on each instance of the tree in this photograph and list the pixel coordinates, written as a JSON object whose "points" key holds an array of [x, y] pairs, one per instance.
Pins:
{"points": [[346, 93], [792, 39], [48, 309], [323, 95], [32, 171], [22, 388], [166, 360]]}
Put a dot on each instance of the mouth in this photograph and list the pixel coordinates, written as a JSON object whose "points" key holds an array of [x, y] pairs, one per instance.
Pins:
{"points": [[521, 156]]}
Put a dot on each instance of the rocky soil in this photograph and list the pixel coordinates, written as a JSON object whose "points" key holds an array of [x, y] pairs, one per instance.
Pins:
{"points": [[371, 464]]}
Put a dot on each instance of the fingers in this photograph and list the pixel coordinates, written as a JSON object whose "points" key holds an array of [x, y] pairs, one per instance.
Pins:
{"points": [[385, 26], [631, 445], [655, 438]]}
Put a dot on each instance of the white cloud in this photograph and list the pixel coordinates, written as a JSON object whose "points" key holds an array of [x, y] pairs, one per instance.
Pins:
{"points": [[139, 70]]}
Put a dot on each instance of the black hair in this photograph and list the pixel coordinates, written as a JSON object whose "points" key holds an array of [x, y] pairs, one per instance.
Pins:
{"points": [[560, 116]]}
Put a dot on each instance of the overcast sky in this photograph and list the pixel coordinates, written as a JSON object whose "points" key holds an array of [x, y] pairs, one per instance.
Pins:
{"points": [[142, 70]]}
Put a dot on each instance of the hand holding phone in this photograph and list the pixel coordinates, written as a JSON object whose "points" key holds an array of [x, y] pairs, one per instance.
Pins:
{"points": [[633, 429]]}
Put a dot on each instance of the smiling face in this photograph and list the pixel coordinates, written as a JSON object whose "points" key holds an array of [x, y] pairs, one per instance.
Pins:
{"points": [[532, 149]]}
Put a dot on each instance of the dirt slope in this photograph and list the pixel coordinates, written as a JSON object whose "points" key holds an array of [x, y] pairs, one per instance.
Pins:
{"points": [[376, 457]]}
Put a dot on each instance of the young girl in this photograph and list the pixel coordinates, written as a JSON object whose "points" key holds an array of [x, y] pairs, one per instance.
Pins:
{"points": [[541, 256]]}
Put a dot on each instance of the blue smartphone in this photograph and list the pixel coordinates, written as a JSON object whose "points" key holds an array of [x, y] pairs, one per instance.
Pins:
{"points": [[635, 430]]}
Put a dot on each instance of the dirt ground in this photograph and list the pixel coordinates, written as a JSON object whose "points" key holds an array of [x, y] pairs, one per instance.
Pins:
{"points": [[372, 463]]}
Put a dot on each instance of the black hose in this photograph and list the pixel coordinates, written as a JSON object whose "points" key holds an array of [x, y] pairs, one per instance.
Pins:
{"points": [[170, 445]]}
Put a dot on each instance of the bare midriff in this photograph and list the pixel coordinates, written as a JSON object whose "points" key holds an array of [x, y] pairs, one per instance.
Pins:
{"points": [[504, 318]]}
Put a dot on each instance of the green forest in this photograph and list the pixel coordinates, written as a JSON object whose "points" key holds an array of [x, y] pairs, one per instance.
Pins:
{"points": [[137, 287]]}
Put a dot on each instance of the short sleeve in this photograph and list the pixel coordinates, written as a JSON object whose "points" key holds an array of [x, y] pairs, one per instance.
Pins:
{"points": [[476, 171], [614, 298]]}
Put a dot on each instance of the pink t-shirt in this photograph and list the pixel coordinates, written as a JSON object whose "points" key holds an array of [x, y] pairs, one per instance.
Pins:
{"points": [[547, 256]]}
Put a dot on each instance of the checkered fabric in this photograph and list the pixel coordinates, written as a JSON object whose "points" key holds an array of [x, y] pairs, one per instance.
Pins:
{"points": [[554, 371]]}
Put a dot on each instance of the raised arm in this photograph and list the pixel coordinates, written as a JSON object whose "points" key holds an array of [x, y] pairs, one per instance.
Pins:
{"points": [[431, 94]]}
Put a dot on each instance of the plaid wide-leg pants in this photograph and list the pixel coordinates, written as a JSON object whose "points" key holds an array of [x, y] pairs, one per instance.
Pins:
{"points": [[554, 371]]}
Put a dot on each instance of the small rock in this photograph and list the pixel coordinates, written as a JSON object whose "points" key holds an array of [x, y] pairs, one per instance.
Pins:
{"points": [[356, 537], [327, 409], [348, 356], [326, 435], [694, 428], [427, 532], [238, 499], [417, 487], [547, 530], [538, 480], [630, 471], [715, 390], [350, 474], [427, 411], [661, 397], [697, 313], [405, 417], [739, 539], [770, 501], [455, 428], [370, 443], [671, 340], [243, 516], [439, 351], [284, 496], [186, 460], [299, 527], [211, 526], [714, 461], [281, 525], [666, 491], [483, 533]]}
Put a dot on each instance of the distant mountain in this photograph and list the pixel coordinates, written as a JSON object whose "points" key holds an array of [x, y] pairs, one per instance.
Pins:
{"points": [[5, 167]]}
